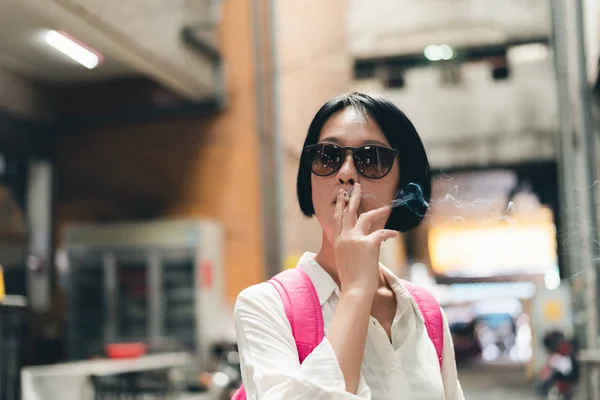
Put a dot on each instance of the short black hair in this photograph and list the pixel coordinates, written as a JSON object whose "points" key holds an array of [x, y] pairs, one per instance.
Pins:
{"points": [[414, 185], [552, 340]]}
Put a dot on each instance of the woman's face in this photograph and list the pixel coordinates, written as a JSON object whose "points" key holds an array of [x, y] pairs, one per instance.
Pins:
{"points": [[352, 128]]}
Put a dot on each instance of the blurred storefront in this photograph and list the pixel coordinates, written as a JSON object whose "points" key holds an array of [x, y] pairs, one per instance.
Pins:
{"points": [[490, 244], [126, 113]]}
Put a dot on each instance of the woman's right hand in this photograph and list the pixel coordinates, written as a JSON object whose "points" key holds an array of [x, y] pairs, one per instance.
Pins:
{"points": [[356, 246]]}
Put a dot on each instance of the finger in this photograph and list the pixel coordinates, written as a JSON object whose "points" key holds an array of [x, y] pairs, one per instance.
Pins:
{"points": [[340, 205], [351, 212], [368, 219], [381, 235]]}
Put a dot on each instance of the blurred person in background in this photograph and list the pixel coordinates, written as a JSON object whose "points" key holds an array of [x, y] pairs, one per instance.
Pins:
{"points": [[362, 157], [561, 371]]}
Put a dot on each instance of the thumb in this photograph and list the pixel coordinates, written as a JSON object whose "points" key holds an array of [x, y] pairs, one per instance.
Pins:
{"points": [[383, 234]]}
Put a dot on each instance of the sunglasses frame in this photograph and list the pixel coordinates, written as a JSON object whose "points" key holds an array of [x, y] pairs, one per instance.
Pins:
{"points": [[352, 150]]}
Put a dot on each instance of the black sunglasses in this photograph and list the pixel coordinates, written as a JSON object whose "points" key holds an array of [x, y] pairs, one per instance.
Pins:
{"points": [[371, 161]]}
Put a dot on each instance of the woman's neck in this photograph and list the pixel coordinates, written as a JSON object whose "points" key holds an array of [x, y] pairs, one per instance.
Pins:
{"points": [[326, 259]]}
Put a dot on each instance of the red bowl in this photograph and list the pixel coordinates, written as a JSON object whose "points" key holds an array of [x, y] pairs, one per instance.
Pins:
{"points": [[125, 350]]}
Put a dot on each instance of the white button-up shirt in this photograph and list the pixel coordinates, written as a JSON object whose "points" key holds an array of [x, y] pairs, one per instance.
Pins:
{"points": [[407, 368]]}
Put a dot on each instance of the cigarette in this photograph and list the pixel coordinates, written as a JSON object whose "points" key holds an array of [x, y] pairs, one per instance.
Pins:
{"points": [[346, 196]]}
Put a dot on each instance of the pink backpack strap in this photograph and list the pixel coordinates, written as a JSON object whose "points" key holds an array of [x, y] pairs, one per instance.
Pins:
{"points": [[302, 308], [303, 311], [432, 315]]}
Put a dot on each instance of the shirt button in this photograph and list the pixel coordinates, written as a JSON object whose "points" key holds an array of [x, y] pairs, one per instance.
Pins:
{"points": [[393, 366]]}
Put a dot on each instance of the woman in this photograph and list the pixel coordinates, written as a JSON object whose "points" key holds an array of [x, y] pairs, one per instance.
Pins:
{"points": [[361, 156]]}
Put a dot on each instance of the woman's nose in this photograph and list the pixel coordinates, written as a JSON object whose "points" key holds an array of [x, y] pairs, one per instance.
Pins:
{"points": [[347, 173]]}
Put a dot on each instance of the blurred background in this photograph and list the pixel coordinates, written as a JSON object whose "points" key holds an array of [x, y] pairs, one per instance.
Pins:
{"points": [[148, 160]]}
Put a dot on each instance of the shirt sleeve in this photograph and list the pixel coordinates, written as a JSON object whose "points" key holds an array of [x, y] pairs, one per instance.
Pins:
{"points": [[452, 388], [269, 358], [560, 363]]}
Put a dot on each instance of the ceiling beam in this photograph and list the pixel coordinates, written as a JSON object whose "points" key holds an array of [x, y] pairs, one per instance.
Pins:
{"points": [[87, 27]]}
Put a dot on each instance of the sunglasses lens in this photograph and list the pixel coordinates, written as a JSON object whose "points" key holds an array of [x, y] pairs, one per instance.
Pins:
{"points": [[325, 159], [374, 162]]}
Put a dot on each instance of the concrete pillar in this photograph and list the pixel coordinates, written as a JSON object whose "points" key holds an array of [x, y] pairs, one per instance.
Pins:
{"points": [[39, 218], [577, 161]]}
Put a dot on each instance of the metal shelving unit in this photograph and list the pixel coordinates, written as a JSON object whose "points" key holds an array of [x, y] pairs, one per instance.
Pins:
{"points": [[158, 282]]}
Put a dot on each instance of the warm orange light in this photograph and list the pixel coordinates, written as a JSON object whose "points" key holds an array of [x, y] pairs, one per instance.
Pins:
{"points": [[2, 290], [484, 251]]}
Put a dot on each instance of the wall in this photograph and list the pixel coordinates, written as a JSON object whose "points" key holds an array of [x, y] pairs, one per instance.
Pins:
{"points": [[407, 26], [481, 121], [313, 64], [202, 168], [592, 37]]}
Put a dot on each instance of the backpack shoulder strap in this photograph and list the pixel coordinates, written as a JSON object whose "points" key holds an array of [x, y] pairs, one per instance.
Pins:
{"points": [[432, 314], [302, 308]]}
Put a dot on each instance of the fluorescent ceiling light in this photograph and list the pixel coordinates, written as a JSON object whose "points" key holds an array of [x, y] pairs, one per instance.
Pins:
{"points": [[435, 52], [71, 48]]}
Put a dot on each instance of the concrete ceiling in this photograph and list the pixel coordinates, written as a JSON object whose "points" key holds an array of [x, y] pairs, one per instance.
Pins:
{"points": [[126, 37], [405, 27], [23, 49]]}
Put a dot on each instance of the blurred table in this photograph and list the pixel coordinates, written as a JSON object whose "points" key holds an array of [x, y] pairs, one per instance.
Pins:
{"points": [[71, 381]]}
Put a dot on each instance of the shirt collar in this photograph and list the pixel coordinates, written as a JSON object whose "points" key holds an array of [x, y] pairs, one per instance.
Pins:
{"points": [[324, 284], [404, 299]]}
